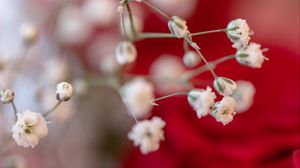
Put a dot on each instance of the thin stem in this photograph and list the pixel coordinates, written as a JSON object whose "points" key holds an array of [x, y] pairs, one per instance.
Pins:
{"points": [[194, 45], [133, 30], [135, 119], [209, 32], [15, 110], [47, 113], [170, 95], [123, 30], [166, 16], [189, 75], [185, 46]]}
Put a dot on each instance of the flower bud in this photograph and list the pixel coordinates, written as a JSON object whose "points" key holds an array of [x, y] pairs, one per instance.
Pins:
{"points": [[64, 91], [239, 33], [251, 55], [178, 27], [7, 96], [29, 33], [191, 59], [224, 86], [126, 52]]}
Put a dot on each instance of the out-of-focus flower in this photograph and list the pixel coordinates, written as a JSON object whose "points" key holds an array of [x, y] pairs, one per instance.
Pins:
{"points": [[147, 134], [251, 55], [224, 110], [178, 27], [100, 13], [29, 129], [224, 86], [191, 59], [137, 95], [126, 52], [239, 33], [201, 100], [55, 70], [7, 96], [243, 95], [13, 162], [167, 69], [28, 33], [72, 28], [64, 91]]}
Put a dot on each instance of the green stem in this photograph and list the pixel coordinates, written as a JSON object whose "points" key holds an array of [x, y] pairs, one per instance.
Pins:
{"points": [[47, 113], [15, 110], [155, 8], [209, 32], [170, 95], [133, 30]]}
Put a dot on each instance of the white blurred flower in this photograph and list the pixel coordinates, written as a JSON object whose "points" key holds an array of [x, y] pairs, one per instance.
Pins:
{"points": [[64, 91], [243, 95], [108, 64], [137, 95], [28, 33], [14, 161], [72, 28], [191, 59], [224, 86], [167, 69], [126, 52], [201, 100], [178, 27], [251, 55], [7, 96], [147, 134], [239, 33], [29, 129], [99, 12], [224, 110], [55, 70], [81, 86]]}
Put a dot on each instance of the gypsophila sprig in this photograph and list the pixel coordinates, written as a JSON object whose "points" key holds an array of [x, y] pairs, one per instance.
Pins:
{"points": [[7, 96], [64, 91], [224, 110], [243, 95], [29, 129], [126, 52], [239, 33], [147, 134], [191, 59], [251, 55], [178, 27], [224, 86], [28, 33]]}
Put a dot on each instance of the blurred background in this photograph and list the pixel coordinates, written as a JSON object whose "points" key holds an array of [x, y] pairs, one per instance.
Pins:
{"points": [[77, 43]]}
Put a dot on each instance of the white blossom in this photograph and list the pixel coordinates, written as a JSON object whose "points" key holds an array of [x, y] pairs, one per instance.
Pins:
{"points": [[178, 27], [239, 33], [191, 59], [201, 100], [126, 52], [64, 91], [147, 134], [251, 55], [224, 86], [224, 110], [243, 95], [29, 129], [137, 95], [29, 33], [7, 96]]}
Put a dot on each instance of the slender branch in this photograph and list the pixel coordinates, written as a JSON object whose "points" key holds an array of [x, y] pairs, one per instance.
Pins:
{"points": [[123, 30], [133, 30], [155, 8], [47, 113], [170, 95], [185, 46], [189, 75], [209, 32], [15, 110]]}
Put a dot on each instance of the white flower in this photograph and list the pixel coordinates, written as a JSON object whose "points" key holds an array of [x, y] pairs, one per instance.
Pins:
{"points": [[239, 33], [137, 95], [224, 110], [224, 86], [29, 33], [191, 59], [178, 27], [147, 134], [29, 129], [201, 100], [251, 55], [7, 96], [126, 52], [64, 91], [243, 95]]}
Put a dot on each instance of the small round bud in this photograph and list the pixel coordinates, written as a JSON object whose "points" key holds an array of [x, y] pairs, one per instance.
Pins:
{"points": [[191, 59], [64, 91], [178, 27], [7, 96], [126, 52], [224, 86], [239, 33], [29, 33]]}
